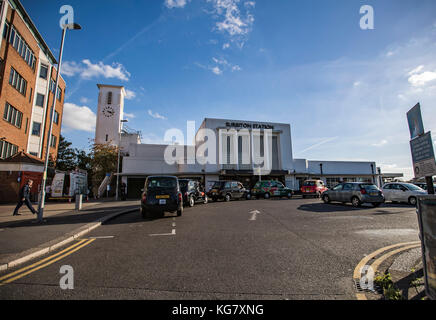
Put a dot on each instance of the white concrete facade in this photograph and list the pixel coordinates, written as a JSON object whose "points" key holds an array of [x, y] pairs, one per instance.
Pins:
{"points": [[146, 159], [109, 114]]}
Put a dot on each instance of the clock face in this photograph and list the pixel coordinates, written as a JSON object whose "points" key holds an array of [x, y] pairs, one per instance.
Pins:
{"points": [[108, 111]]}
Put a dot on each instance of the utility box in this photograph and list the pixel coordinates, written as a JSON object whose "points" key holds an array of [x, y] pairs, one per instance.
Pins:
{"points": [[427, 226]]}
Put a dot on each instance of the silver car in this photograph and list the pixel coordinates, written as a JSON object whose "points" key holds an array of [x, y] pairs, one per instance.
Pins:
{"points": [[355, 192], [403, 192]]}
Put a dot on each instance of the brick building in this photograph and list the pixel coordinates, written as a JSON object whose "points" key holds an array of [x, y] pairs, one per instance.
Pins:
{"points": [[27, 93], [27, 86]]}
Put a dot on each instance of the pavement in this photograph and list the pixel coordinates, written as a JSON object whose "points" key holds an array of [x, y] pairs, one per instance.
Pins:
{"points": [[258, 249], [22, 238]]}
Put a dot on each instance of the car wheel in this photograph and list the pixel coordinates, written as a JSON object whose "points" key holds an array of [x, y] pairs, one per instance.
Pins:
{"points": [[206, 199], [144, 214], [228, 198], [180, 211], [191, 201], [375, 205], [267, 195], [248, 196], [355, 201], [412, 201], [326, 199], [289, 195]]}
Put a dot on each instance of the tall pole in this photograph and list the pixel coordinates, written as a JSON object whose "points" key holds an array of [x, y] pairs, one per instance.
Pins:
{"points": [[41, 202], [119, 155]]}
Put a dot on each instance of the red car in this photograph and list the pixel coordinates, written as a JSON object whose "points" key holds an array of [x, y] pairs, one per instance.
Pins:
{"points": [[314, 188]]}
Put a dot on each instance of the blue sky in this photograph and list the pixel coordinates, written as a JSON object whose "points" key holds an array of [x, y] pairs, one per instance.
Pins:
{"points": [[345, 91]]}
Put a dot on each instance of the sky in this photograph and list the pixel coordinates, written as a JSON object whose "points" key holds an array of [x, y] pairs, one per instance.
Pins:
{"points": [[344, 90]]}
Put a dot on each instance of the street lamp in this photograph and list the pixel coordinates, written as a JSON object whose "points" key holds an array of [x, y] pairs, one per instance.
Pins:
{"points": [[71, 26], [119, 154]]}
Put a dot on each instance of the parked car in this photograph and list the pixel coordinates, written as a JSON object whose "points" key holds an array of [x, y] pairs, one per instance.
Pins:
{"points": [[192, 192], [423, 185], [403, 192], [227, 190], [270, 188], [355, 192], [314, 188], [161, 194]]}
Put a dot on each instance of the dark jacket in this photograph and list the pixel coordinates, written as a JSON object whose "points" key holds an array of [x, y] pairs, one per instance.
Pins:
{"points": [[25, 192]]}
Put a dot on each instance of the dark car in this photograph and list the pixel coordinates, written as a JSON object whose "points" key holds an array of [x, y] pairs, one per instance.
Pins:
{"points": [[192, 192], [270, 188], [227, 190], [355, 192], [161, 194]]}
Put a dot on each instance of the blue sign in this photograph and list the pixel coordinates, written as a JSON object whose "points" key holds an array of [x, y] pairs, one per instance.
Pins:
{"points": [[416, 125]]}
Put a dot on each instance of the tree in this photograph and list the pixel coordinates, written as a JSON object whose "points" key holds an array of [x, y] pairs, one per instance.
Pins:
{"points": [[103, 160], [67, 158]]}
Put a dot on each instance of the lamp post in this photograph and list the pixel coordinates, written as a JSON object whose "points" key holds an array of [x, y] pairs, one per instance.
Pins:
{"points": [[119, 154], [72, 26]]}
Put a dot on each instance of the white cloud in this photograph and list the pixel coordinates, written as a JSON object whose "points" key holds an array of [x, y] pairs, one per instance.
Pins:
{"points": [[175, 3], [380, 144], [234, 19], [130, 95], [79, 118], [87, 70], [226, 46], [217, 70], [156, 115], [421, 79], [128, 115]]}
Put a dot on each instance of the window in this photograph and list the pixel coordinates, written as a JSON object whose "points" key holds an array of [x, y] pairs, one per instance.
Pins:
{"points": [[53, 141], [348, 187], [56, 117], [338, 187], [22, 47], [52, 85], [6, 30], [40, 100], [12, 115], [33, 154], [109, 97], [107, 137], [43, 72], [18, 82], [59, 96], [7, 149], [36, 129]]}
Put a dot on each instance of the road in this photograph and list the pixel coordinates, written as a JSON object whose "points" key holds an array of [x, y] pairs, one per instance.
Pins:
{"points": [[258, 249]]}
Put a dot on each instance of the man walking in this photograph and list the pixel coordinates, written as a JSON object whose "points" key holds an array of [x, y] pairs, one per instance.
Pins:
{"points": [[25, 198]]}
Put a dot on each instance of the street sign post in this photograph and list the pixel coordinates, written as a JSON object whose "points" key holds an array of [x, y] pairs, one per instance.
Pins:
{"points": [[421, 144]]}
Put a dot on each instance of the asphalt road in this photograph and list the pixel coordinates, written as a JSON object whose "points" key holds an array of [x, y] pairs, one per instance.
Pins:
{"points": [[258, 249]]}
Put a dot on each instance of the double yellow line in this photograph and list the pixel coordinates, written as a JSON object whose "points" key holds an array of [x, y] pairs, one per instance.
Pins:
{"points": [[391, 250], [44, 262]]}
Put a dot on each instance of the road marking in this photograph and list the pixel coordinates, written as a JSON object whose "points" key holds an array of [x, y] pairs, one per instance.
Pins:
{"points": [[102, 237], [402, 247], [37, 266], [174, 224], [254, 215]]}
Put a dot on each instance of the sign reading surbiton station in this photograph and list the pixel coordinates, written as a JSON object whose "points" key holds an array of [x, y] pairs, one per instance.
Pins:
{"points": [[424, 164]]}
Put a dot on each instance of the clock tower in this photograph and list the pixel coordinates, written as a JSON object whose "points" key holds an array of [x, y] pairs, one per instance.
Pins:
{"points": [[109, 114]]}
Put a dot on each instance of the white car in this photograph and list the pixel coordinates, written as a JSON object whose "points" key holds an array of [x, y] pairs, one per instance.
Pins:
{"points": [[403, 192]]}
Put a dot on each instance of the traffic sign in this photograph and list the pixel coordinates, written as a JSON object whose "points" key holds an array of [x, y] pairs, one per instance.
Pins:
{"points": [[424, 164]]}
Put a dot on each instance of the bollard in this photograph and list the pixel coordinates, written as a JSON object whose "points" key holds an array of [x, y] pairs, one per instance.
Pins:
{"points": [[78, 202], [427, 226]]}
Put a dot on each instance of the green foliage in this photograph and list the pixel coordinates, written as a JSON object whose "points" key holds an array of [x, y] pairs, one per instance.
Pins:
{"points": [[389, 290]]}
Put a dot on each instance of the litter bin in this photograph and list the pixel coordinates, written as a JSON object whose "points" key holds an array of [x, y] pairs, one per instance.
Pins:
{"points": [[427, 226]]}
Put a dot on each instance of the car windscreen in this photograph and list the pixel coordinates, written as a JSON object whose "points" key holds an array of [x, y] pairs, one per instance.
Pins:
{"points": [[218, 184], [412, 187], [368, 187], [309, 183], [161, 183]]}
